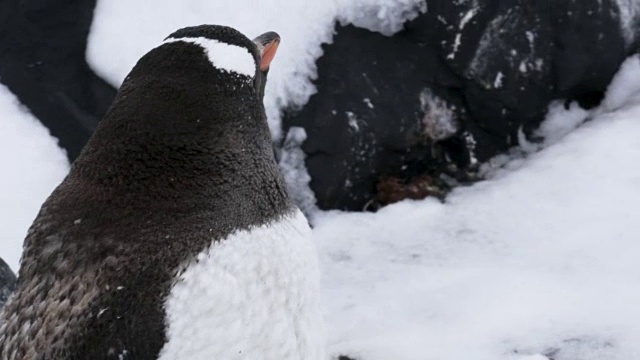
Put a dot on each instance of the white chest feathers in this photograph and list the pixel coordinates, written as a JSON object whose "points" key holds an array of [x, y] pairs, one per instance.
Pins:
{"points": [[252, 296]]}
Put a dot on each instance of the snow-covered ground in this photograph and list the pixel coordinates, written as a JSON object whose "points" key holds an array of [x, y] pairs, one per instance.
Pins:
{"points": [[32, 166], [538, 262]]}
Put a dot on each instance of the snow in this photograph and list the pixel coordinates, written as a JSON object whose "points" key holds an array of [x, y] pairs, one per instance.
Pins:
{"points": [[538, 262], [439, 120], [259, 292], [497, 83], [463, 22], [561, 121], [456, 45], [467, 17], [523, 67], [230, 58], [625, 86], [294, 171], [32, 166], [629, 13], [368, 102]]}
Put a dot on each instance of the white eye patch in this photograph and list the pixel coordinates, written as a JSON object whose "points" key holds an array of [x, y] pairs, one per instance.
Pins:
{"points": [[230, 58]]}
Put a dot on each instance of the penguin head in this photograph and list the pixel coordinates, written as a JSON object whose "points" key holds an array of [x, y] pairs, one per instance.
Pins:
{"points": [[206, 79], [196, 96], [235, 58], [230, 51], [267, 45]]}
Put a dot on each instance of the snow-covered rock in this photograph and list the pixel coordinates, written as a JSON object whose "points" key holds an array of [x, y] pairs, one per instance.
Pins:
{"points": [[42, 61], [490, 69]]}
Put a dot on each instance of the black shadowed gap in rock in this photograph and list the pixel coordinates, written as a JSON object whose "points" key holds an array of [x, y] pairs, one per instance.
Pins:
{"points": [[458, 85], [42, 61]]}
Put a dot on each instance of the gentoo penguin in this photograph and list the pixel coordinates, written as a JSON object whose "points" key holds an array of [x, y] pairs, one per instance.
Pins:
{"points": [[173, 236]]}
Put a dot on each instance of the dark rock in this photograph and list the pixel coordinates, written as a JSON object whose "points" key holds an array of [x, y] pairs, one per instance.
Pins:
{"points": [[368, 118], [453, 89], [7, 282], [42, 61], [390, 190]]}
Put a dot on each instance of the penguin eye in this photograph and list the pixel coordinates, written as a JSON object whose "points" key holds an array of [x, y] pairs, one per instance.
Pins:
{"points": [[223, 56]]}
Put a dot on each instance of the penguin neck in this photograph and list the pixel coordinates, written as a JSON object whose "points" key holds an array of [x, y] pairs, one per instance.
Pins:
{"points": [[185, 148]]}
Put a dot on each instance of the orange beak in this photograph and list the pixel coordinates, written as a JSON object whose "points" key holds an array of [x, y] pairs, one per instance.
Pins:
{"points": [[268, 53], [267, 43]]}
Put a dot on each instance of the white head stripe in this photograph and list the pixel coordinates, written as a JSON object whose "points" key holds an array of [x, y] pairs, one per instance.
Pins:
{"points": [[223, 56]]}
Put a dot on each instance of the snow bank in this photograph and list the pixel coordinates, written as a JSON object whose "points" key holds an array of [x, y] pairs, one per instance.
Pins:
{"points": [[123, 31], [32, 166], [538, 263]]}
